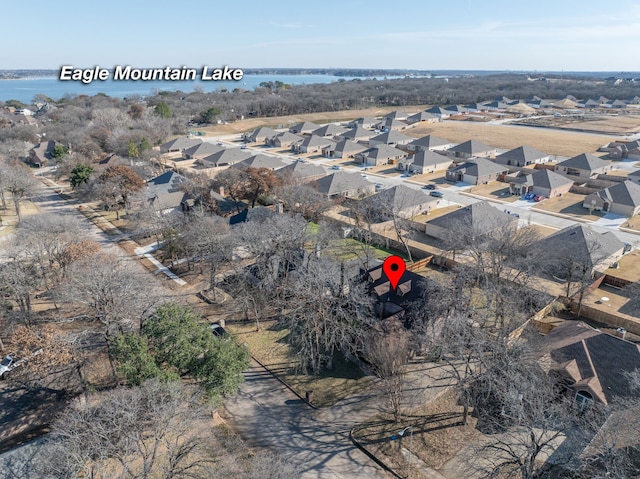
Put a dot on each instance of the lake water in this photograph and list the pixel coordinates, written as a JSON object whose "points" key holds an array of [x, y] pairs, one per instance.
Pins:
{"points": [[25, 89]]}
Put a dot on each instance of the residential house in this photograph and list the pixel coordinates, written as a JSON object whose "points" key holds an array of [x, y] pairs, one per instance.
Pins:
{"points": [[543, 182], [225, 157], [581, 246], [496, 105], [330, 130], [358, 134], [391, 138], [113, 160], [590, 103], [583, 167], [399, 201], [312, 144], [284, 139], [440, 112], [343, 149], [540, 104], [341, 183], [392, 303], [592, 365], [179, 144], [381, 155], [424, 161], [301, 172], [472, 149], [429, 142], [620, 199], [201, 150], [476, 172], [259, 135], [40, 154], [522, 156], [165, 193], [635, 177], [397, 115], [615, 104], [479, 219], [365, 122], [456, 109], [422, 117], [475, 107], [306, 127], [259, 161], [389, 124]]}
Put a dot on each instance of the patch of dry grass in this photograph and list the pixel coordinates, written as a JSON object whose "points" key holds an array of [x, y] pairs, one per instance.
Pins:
{"points": [[569, 204]]}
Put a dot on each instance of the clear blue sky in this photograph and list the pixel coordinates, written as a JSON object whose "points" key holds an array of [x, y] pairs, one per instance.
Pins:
{"points": [[577, 35]]}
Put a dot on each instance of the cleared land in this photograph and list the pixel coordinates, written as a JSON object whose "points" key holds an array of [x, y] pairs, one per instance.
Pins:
{"points": [[614, 124]]}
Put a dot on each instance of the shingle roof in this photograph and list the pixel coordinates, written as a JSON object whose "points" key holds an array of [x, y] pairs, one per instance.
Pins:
{"points": [[481, 217], [429, 141], [181, 143], [263, 131], [329, 130], [203, 149], [348, 147], [391, 137], [302, 170], [626, 193], [164, 190], [480, 167], [340, 182], [472, 147], [358, 133], [420, 116], [584, 161], [304, 127], [397, 115], [316, 141], [288, 136], [522, 154], [544, 179], [429, 158], [260, 161], [226, 156], [383, 151], [391, 124], [398, 198]]}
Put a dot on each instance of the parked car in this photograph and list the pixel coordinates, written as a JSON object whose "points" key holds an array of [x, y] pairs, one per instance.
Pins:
{"points": [[437, 194], [379, 186], [529, 196], [430, 186], [538, 198], [336, 167], [218, 330], [6, 364]]}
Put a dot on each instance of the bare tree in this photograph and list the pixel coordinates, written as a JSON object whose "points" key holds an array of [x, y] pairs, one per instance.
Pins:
{"points": [[388, 354], [18, 181], [19, 279]]}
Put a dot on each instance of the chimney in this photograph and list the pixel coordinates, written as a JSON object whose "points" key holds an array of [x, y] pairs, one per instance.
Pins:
{"points": [[621, 332]]}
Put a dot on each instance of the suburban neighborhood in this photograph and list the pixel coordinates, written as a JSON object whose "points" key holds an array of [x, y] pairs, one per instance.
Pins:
{"points": [[249, 264]]}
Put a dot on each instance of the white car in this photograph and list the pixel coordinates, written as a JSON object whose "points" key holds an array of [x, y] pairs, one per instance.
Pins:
{"points": [[7, 364]]}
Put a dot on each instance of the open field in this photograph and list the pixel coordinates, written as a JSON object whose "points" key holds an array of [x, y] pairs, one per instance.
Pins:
{"points": [[322, 117], [555, 142], [615, 124]]}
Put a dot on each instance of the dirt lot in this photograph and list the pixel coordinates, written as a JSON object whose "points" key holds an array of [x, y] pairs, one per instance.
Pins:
{"points": [[569, 204], [562, 143], [629, 267], [614, 124]]}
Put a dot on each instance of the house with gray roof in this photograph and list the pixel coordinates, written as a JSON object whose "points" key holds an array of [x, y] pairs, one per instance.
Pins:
{"points": [[456, 109], [201, 150], [429, 142], [476, 172], [620, 199], [389, 124], [259, 161], [341, 183], [343, 149], [306, 127], [592, 364], [424, 161], [391, 138], [164, 193], [397, 115], [440, 112], [635, 177], [365, 122], [329, 131], [577, 247], [542, 182], [496, 105], [40, 154], [358, 134], [381, 154], [225, 157], [259, 135], [472, 149], [284, 139], [399, 201], [179, 144], [479, 219], [422, 117], [312, 144], [522, 156], [583, 167], [300, 172]]}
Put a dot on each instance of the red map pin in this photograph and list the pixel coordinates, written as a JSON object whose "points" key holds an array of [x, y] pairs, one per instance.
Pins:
{"points": [[394, 268]]}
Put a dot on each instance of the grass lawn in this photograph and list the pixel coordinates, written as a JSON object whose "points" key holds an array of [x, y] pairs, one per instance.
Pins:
{"points": [[349, 248], [270, 347], [569, 204]]}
